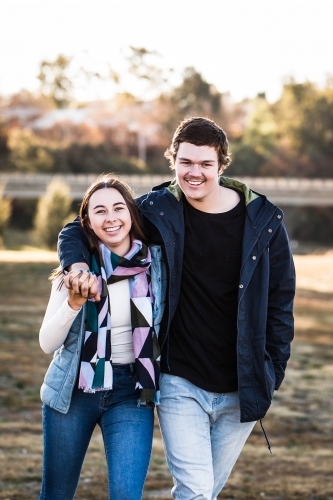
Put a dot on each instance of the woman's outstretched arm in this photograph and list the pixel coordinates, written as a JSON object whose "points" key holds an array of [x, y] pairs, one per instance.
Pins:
{"points": [[58, 319], [64, 305]]}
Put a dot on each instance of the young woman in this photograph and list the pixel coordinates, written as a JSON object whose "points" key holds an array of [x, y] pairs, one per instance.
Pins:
{"points": [[105, 367]]}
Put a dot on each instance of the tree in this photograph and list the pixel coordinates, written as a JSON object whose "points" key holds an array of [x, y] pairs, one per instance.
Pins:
{"points": [[28, 153], [142, 65], [254, 148], [55, 82], [304, 115], [196, 96], [193, 97], [26, 99], [4, 146], [5, 213], [52, 211]]}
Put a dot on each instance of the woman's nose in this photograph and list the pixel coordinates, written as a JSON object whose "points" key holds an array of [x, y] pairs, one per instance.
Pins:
{"points": [[111, 216]]}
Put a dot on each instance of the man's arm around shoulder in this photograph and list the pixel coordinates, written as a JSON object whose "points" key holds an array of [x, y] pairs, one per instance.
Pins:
{"points": [[73, 245]]}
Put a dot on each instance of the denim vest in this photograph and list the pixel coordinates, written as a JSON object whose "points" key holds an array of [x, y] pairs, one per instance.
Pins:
{"points": [[61, 375]]}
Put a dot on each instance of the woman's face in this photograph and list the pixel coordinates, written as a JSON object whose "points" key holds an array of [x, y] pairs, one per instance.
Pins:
{"points": [[110, 219]]}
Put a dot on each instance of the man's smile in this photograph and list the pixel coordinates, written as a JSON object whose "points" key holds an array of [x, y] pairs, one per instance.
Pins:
{"points": [[193, 182]]}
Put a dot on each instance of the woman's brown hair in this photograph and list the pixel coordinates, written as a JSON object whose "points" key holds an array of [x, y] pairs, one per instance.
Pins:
{"points": [[105, 181]]}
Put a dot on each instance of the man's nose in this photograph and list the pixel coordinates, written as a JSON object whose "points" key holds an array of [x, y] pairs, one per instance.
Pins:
{"points": [[195, 170]]}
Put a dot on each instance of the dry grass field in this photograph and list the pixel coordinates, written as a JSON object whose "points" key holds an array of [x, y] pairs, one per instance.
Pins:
{"points": [[299, 424]]}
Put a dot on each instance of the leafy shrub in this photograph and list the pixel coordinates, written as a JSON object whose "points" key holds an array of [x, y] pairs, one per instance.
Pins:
{"points": [[52, 210], [28, 153], [5, 213]]}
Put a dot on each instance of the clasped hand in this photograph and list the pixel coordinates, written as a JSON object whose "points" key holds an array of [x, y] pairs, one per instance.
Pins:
{"points": [[81, 285]]}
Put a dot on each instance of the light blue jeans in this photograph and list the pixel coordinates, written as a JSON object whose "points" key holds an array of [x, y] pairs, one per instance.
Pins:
{"points": [[202, 435]]}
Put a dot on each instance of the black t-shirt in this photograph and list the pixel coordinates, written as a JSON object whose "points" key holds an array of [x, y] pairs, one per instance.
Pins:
{"points": [[203, 335]]}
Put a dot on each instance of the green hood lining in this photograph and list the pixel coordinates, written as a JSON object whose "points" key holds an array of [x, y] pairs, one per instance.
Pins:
{"points": [[227, 182]]}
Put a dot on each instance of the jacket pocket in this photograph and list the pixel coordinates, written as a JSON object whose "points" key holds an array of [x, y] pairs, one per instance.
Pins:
{"points": [[58, 369]]}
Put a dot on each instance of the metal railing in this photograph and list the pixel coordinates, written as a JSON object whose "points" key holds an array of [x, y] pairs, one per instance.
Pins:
{"points": [[283, 191]]}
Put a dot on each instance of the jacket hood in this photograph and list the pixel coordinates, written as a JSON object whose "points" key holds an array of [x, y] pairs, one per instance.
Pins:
{"points": [[259, 209], [249, 195]]}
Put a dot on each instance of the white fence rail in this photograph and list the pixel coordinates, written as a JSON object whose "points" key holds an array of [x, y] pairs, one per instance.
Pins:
{"points": [[280, 190]]}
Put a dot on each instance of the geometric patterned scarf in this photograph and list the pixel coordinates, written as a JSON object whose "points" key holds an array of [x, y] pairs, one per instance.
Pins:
{"points": [[96, 357]]}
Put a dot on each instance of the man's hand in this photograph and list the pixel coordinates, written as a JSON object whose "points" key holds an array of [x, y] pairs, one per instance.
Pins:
{"points": [[82, 284]]}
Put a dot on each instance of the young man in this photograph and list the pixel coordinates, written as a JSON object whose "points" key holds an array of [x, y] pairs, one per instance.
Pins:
{"points": [[226, 335]]}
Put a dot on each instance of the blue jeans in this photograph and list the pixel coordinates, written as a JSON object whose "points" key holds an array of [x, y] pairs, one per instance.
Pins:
{"points": [[127, 431], [202, 435]]}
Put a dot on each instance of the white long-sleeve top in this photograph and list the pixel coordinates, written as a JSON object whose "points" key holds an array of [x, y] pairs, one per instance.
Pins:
{"points": [[59, 317]]}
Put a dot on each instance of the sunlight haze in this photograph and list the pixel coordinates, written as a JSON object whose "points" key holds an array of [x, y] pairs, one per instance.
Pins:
{"points": [[241, 47]]}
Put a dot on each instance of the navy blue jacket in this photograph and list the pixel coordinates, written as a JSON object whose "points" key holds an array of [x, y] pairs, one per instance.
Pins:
{"points": [[266, 285]]}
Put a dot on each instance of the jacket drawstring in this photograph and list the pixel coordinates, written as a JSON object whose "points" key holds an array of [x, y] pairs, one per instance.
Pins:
{"points": [[268, 443]]}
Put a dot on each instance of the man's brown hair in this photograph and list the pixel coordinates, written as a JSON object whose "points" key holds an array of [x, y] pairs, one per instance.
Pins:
{"points": [[200, 132]]}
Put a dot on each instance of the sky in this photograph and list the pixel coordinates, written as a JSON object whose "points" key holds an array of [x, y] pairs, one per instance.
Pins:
{"points": [[241, 46]]}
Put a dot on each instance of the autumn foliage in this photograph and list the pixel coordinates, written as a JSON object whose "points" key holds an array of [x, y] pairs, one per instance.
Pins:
{"points": [[51, 132]]}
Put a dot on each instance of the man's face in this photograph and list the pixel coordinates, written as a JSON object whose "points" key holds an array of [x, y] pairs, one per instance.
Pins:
{"points": [[197, 171]]}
